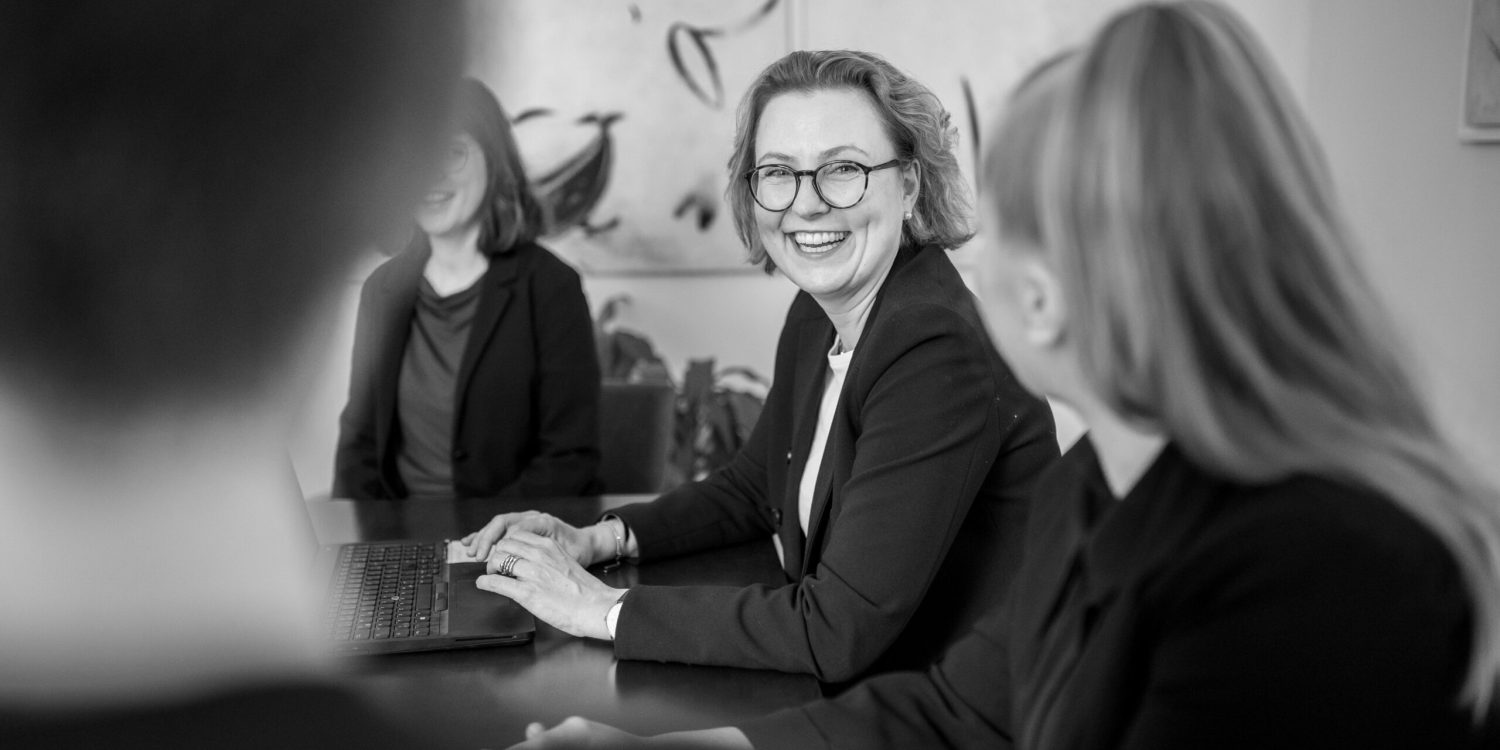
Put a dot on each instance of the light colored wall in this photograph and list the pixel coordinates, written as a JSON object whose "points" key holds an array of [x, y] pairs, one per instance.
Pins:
{"points": [[1384, 85]]}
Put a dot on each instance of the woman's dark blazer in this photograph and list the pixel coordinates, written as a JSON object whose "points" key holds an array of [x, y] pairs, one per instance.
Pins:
{"points": [[526, 419], [1197, 612], [918, 510]]}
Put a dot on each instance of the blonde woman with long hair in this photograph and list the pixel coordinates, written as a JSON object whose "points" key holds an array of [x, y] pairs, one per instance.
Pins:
{"points": [[1263, 541]]}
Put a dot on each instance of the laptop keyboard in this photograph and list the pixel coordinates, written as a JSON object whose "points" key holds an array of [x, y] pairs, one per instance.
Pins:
{"points": [[384, 592]]}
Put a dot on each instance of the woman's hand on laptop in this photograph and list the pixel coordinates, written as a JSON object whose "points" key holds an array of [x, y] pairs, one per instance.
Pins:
{"points": [[586, 546], [544, 578]]}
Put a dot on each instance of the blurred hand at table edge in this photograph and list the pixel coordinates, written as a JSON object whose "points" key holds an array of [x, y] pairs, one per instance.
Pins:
{"points": [[578, 732], [550, 584], [588, 545]]}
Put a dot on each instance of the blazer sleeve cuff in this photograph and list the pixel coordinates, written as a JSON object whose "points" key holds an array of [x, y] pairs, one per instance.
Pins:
{"points": [[631, 516]]}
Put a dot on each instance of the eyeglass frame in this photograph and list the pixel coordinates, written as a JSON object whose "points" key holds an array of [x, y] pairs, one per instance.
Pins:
{"points": [[464, 162], [798, 174]]}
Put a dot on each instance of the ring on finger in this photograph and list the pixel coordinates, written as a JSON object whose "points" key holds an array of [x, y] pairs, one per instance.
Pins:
{"points": [[508, 566]]}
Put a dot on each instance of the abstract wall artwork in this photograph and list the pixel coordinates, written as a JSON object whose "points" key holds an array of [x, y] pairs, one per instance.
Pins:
{"points": [[625, 108], [625, 116]]}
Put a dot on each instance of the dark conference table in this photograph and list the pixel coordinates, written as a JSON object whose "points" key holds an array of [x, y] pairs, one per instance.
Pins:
{"points": [[486, 696]]}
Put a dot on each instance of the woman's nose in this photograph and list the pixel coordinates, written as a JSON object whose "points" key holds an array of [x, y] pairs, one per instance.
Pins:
{"points": [[808, 202]]}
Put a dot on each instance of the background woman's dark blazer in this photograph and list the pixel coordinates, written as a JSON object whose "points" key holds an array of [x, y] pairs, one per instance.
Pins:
{"points": [[526, 422], [918, 513], [1198, 613]]}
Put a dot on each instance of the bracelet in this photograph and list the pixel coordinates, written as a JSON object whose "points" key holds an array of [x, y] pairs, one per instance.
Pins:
{"points": [[619, 544]]}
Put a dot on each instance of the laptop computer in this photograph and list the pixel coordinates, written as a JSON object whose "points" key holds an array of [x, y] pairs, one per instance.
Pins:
{"points": [[405, 596]]}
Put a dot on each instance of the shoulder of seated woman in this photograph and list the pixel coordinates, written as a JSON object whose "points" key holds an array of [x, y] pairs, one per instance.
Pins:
{"points": [[399, 266], [1306, 527], [928, 293], [539, 257], [543, 265], [911, 317]]}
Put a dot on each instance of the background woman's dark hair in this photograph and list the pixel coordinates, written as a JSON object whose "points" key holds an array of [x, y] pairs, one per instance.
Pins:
{"points": [[509, 215], [914, 119]]}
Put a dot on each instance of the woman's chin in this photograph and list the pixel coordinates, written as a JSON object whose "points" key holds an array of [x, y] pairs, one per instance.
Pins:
{"points": [[441, 225], [820, 282]]}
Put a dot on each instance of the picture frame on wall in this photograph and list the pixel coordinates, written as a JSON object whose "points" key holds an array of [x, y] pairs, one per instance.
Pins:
{"points": [[1479, 117]]}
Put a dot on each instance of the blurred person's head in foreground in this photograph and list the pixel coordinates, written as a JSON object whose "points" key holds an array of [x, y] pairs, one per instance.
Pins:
{"points": [[183, 185]]}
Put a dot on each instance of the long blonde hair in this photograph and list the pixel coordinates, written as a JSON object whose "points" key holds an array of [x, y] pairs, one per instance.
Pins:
{"points": [[1171, 180]]}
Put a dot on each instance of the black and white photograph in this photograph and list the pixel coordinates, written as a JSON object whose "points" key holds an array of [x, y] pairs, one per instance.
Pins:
{"points": [[749, 374]]}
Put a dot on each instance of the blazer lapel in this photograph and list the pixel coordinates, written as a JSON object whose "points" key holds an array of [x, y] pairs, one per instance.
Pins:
{"points": [[813, 340], [823, 488], [397, 303], [493, 301]]}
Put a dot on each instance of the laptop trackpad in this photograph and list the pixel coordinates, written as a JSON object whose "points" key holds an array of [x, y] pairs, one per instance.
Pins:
{"points": [[474, 612]]}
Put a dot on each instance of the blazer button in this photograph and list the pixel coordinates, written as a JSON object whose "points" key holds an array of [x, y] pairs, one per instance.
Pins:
{"points": [[789, 457], [460, 454], [776, 513]]}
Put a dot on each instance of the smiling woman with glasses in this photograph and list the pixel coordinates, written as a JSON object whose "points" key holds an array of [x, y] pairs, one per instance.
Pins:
{"points": [[896, 452]]}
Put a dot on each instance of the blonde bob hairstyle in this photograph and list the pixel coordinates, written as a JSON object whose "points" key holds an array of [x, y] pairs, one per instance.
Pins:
{"points": [[1172, 183], [914, 120]]}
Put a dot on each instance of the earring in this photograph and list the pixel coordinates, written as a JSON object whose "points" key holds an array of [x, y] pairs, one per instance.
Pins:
{"points": [[908, 216]]}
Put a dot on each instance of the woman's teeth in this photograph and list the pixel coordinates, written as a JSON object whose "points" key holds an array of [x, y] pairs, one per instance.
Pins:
{"points": [[817, 242], [436, 196]]}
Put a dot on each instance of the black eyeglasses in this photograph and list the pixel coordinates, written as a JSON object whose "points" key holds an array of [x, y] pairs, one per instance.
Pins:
{"points": [[840, 184], [455, 156]]}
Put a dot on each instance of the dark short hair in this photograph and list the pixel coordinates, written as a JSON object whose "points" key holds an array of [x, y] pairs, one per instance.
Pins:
{"points": [[509, 213], [914, 119], [183, 181]]}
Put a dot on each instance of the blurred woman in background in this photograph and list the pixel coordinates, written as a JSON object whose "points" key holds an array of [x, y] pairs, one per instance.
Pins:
{"points": [[475, 371]]}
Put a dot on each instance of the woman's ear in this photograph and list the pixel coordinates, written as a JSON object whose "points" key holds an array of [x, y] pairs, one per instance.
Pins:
{"points": [[1044, 311], [911, 185]]}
